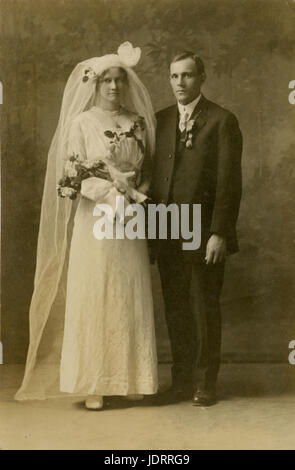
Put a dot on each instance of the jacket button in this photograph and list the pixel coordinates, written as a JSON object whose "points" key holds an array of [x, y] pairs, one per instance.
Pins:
{"points": [[166, 178], [170, 156]]}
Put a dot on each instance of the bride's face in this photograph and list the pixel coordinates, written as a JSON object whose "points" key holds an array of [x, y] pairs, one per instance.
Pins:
{"points": [[112, 85]]}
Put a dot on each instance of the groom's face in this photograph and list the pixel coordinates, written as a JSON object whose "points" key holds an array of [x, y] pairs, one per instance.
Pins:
{"points": [[185, 80]]}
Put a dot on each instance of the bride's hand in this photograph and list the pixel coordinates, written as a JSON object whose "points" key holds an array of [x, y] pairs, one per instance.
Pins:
{"points": [[119, 186]]}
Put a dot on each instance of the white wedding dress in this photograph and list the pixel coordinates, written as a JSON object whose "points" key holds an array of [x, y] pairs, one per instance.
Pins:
{"points": [[109, 343]]}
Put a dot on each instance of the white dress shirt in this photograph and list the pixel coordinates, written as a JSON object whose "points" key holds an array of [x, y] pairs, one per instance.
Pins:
{"points": [[185, 112]]}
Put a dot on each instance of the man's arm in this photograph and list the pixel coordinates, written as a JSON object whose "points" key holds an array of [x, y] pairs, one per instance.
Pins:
{"points": [[228, 189]]}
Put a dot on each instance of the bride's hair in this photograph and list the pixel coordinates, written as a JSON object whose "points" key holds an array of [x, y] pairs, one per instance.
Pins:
{"points": [[104, 72]]}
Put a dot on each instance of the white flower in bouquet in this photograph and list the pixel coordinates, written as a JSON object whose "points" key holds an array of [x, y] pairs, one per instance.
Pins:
{"points": [[89, 164], [67, 192], [97, 161], [72, 172]]}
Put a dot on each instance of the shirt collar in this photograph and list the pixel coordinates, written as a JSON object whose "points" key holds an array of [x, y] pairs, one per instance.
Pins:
{"points": [[189, 108]]}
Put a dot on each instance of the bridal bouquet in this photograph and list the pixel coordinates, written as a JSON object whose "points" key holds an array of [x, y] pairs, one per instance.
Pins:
{"points": [[76, 171], [117, 172], [98, 181]]}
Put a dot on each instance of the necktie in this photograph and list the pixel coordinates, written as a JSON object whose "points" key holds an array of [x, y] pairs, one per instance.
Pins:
{"points": [[183, 121]]}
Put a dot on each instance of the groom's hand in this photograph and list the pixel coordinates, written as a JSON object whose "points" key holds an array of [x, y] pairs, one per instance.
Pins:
{"points": [[216, 249]]}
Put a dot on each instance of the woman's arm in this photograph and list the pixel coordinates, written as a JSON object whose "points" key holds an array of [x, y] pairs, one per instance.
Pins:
{"points": [[76, 141]]}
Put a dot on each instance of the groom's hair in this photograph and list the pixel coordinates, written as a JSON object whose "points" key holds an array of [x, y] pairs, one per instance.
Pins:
{"points": [[190, 55]]}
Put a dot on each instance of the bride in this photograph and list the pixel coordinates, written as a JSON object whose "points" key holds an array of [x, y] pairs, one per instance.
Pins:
{"points": [[91, 315]]}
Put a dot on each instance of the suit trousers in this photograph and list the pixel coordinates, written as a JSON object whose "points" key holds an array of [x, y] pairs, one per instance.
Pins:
{"points": [[191, 291]]}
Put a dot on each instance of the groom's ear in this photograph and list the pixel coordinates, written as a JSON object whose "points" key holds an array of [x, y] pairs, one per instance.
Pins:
{"points": [[203, 77]]}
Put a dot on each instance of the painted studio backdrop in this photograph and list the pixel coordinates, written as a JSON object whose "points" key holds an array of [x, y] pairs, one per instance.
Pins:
{"points": [[248, 50]]}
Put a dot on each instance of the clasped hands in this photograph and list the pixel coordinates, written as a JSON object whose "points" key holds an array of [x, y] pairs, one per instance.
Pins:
{"points": [[124, 181]]}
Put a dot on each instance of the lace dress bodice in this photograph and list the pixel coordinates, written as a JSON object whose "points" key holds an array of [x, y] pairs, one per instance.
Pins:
{"points": [[116, 137]]}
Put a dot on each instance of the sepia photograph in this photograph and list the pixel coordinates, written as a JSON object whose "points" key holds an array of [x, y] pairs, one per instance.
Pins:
{"points": [[147, 227]]}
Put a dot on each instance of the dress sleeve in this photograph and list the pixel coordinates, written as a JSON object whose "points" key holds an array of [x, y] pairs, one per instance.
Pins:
{"points": [[76, 141], [146, 168]]}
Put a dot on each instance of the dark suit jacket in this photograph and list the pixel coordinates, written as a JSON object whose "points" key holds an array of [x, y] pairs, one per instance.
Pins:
{"points": [[208, 174]]}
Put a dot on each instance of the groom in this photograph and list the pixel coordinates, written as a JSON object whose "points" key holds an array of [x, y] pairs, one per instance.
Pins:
{"points": [[197, 161]]}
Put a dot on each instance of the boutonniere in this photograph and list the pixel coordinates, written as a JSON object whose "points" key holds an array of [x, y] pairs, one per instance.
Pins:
{"points": [[189, 133]]}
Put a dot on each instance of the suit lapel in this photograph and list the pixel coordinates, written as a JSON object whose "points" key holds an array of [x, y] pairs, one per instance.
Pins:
{"points": [[171, 134], [200, 114]]}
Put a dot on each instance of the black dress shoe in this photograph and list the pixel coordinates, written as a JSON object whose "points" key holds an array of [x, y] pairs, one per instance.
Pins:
{"points": [[204, 398]]}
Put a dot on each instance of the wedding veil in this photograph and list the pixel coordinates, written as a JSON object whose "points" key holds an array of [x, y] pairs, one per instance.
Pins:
{"points": [[46, 316]]}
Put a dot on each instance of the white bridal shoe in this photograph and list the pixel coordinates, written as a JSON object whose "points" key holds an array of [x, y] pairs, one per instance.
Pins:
{"points": [[134, 397], [94, 402]]}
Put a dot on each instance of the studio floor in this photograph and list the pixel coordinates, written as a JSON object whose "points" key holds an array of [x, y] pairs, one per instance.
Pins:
{"points": [[256, 410]]}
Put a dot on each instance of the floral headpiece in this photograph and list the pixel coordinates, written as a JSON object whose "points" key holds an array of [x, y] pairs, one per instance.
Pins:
{"points": [[127, 56]]}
